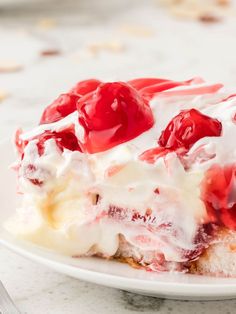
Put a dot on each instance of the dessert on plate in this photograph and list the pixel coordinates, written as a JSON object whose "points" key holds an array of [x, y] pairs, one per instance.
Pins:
{"points": [[142, 171]]}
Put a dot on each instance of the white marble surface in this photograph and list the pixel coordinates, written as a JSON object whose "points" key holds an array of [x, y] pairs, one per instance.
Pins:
{"points": [[146, 42]]}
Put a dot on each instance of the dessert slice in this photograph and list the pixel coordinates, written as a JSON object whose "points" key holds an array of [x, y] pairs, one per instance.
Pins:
{"points": [[142, 171]]}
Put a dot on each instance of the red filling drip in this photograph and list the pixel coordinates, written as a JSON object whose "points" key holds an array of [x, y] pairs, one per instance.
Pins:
{"points": [[219, 195], [151, 155], [141, 83], [113, 114], [149, 87], [187, 128]]}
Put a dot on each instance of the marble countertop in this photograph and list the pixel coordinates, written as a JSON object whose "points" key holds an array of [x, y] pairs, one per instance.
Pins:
{"points": [[46, 46]]}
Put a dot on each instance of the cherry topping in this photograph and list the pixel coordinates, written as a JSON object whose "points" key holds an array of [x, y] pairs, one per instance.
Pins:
{"points": [[187, 128], [150, 87], [65, 104], [60, 108], [219, 195], [151, 155], [84, 87], [65, 139], [141, 83], [114, 113]]}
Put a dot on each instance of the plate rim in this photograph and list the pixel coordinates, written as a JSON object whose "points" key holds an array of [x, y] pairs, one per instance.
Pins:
{"points": [[173, 289]]}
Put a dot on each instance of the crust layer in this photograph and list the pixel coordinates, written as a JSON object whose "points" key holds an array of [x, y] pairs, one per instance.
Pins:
{"points": [[219, 259]]}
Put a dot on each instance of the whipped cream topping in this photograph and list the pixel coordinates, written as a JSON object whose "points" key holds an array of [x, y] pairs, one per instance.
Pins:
{"points": [[88, 200]]}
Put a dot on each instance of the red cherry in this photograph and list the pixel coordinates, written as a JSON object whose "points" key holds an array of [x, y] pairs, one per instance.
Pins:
{"points": [[65, 139], [188, 127], [219, 195], [84, 87], [60, 108], [65, 104], [114, 113]]}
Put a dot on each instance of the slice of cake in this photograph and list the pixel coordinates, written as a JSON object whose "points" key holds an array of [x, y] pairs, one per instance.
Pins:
{"points": [[142, 171]]}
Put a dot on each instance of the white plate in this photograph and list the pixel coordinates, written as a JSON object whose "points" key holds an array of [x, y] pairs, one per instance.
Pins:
{"points": [[107, 273]]}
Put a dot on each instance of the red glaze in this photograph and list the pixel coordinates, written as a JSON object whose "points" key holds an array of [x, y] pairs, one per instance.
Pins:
{"points": [[60, 108], [141, 83], [187, 128], [219, 195], [194, 90], [150, 87], [65, 139], [148, 81], [66, 103], [113, 114], [160, 87], [84, 87], [151, 155]]}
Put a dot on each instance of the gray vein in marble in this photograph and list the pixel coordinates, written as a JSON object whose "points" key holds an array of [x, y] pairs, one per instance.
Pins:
{"points": [[140, 303]]}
